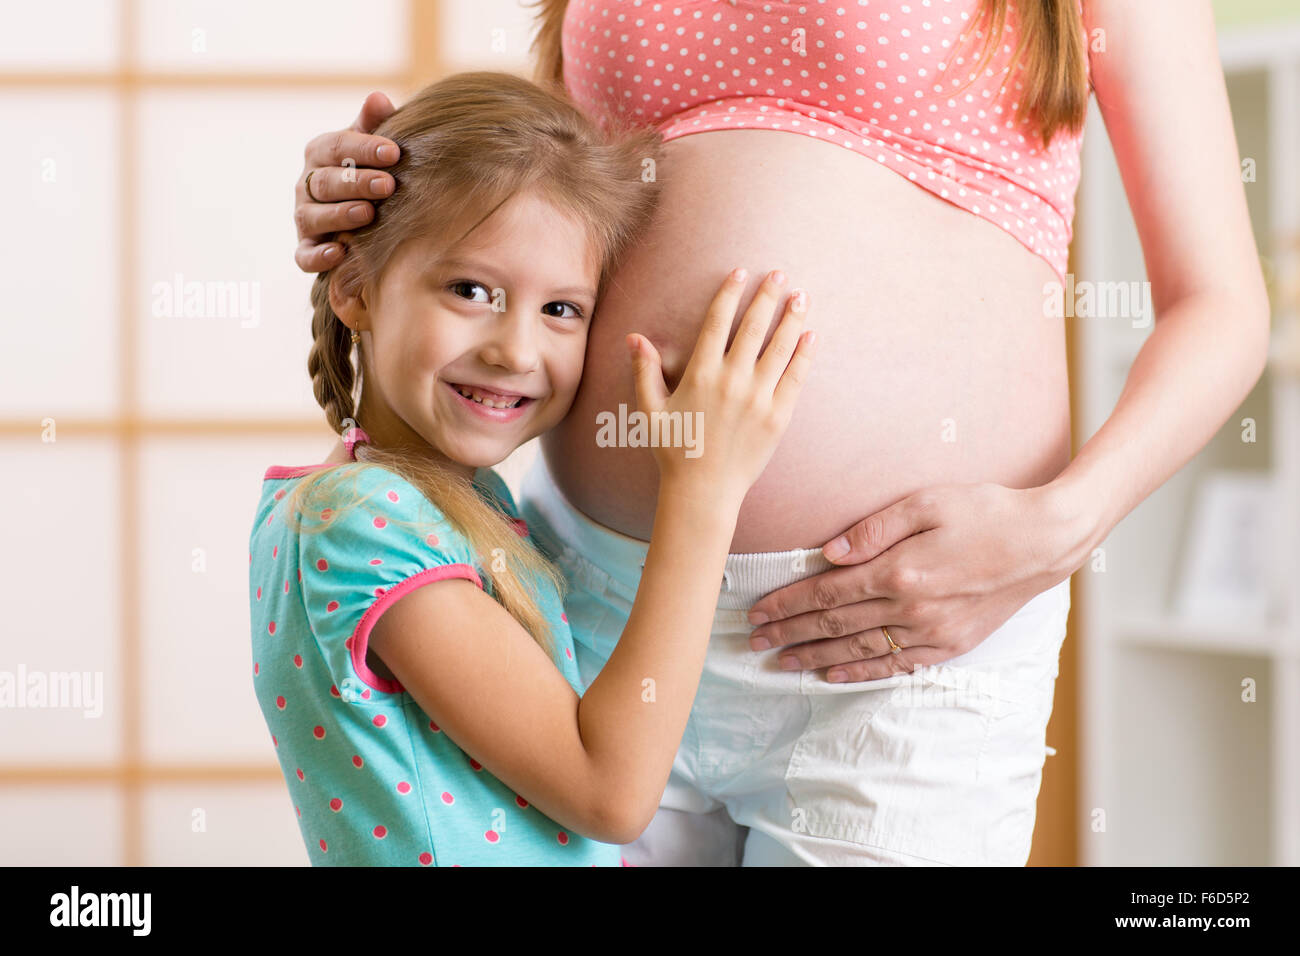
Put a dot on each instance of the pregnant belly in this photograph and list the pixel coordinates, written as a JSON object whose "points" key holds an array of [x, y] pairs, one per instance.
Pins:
{"points": [[935, 363]]}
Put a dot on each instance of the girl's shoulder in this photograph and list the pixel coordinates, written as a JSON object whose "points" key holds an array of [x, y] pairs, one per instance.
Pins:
{"points": [[487, 480], [361, 509], [369, 488], [364, 481]]}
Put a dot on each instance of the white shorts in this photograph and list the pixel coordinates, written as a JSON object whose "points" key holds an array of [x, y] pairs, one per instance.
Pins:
{"points": [[938, 767]]}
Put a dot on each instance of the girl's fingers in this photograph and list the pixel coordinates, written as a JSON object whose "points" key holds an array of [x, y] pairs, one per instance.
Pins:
{"points": [[359, 149], [648, 375], [792, 379], [776, 357], [712, 340], [757, 320]]}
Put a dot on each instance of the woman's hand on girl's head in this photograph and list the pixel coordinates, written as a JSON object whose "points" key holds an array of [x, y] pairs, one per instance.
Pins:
{"points": [[337, 163], [734, 404]]}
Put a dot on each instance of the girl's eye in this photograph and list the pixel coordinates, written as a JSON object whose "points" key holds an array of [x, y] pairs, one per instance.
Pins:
{"points": [[456, 288], [577, 312]]}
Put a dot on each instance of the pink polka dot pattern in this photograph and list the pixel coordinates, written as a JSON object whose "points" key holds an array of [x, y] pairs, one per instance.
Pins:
{"points": [[890, 79]]}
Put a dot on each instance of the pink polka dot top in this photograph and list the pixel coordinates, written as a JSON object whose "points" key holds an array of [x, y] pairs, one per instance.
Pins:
{"points": [[884, 78]]}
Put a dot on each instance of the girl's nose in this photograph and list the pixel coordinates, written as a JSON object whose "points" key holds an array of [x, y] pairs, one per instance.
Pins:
{"points": [[512, 346]]}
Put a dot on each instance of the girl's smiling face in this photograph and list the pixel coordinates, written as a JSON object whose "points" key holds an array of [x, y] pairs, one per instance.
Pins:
{"points": [[477, 353]]}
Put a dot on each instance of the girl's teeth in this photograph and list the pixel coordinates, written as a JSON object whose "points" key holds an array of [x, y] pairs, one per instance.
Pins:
{"points": [[486, 401]]}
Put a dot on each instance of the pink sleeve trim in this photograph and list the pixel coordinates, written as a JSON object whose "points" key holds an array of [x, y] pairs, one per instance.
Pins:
{"points": [[350, 439], [361, 636], [282, 471]]}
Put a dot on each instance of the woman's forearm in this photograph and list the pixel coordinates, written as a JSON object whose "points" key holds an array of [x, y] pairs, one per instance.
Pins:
{"points": [[1202, 358]]}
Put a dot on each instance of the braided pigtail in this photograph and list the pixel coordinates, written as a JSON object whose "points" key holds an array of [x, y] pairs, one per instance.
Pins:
{"points": [[329, 363]]}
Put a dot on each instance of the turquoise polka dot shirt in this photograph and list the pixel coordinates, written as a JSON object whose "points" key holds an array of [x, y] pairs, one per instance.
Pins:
{"points": [[373, 780]]}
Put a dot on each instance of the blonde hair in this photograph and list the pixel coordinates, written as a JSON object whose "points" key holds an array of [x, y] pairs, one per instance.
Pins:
{"points": [[469, 143], [1053, 59], [1051, 53]]}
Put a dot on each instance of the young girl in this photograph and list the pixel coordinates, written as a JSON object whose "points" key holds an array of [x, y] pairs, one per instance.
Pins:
{"points": [[411, 654]]}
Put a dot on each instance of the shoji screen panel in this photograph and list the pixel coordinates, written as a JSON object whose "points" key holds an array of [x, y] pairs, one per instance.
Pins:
{"points": [[159, 144]]}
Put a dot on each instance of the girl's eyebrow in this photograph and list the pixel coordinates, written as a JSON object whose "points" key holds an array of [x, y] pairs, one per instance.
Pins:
{"points": [[577, 291], [457, 262]]}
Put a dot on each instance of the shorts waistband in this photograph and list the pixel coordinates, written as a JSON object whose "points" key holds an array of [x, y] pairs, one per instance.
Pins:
{"points": [[571, 537]]}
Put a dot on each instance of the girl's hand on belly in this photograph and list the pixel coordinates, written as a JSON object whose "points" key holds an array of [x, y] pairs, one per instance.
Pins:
{"points": [[743, 398], [942, 569]]}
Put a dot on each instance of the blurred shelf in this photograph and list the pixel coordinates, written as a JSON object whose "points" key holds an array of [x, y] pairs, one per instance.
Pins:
{"points": [[1213, 754], [1258, 45], [1169, 632]]}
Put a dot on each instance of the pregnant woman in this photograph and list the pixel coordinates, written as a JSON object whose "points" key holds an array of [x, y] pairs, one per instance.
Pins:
{"points": [[913, 164]]}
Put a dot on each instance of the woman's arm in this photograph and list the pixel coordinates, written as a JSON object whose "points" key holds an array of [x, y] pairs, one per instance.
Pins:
{"points": [[599, 764], [1161, 91], [954, 562]]}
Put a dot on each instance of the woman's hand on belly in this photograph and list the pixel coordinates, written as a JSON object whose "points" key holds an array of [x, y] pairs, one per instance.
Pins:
{"points": [[942, 569]]}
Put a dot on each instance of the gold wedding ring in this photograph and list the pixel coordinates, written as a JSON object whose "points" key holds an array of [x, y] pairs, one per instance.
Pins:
{"points": [[307, 184], [893, 648]]}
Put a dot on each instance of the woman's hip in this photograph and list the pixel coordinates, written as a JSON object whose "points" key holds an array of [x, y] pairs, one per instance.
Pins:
{"points": [[602, 569]]}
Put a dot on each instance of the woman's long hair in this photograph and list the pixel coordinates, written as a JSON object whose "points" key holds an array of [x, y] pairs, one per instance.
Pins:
{"points": [[469, 143], [1051, 53]]}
